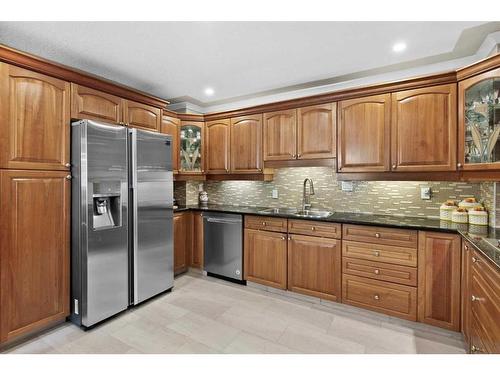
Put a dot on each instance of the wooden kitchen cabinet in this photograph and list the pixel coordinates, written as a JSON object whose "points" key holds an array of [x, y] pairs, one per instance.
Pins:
{"points": [[265, 258], [192, 147], [246, 144], [87, 103], [34, 250], [197, 253], [439, 258], [424, 129], [217, 138], [170, 125], [182, 241], [34, 120], [314, 266], [364, 134], [280, 135], [465, 282], [316, 131], [142, 116]]}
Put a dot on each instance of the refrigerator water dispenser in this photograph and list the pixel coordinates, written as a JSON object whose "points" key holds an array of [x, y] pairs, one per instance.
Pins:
{"points": [[107, 205]]}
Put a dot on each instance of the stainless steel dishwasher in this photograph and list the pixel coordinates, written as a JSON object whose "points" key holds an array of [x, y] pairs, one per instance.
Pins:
{"points": [[223, 244]]}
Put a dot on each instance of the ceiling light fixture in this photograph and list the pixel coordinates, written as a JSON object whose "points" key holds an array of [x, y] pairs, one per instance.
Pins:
{"points": [[209, 91], [399, 47]]}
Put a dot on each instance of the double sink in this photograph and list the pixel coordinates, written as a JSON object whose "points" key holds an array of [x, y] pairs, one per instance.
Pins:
{"points": [[299, 213]]}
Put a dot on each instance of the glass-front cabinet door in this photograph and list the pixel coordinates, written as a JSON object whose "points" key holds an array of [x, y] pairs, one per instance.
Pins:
{"points": [[479, 121], [191, 153]]}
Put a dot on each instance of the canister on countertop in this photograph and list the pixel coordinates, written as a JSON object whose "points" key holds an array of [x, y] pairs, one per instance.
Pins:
{"points": [[478, 216], [446, 210], [460, 216]]}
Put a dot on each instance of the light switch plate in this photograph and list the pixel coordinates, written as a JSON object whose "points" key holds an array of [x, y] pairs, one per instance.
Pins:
{"points": [[425, 192], [275, 193], [347, 186]]}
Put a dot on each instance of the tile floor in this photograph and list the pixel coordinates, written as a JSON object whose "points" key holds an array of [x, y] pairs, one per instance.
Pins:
{"points": [[207, 315]]}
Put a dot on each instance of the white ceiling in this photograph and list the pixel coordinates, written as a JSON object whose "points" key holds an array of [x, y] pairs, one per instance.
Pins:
{"points": [[178, 60]]}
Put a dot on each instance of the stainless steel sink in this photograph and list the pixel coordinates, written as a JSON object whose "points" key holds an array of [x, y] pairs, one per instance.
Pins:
{"points": [[314, 213], [277, 211]]}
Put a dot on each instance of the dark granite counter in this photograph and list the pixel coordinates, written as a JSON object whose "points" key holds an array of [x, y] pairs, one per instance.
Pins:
{"points": [[483, 238]]}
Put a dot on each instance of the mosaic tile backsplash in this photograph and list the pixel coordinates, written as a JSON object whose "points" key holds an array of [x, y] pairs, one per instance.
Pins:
{"points": [[377, 197]]}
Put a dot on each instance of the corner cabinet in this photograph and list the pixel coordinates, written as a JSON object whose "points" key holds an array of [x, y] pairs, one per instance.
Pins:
{"points": [[87, 103], [479, 121], [142, 116], [192, 147], [218, 146], [364, 126], [424, 129], [34, 251], [170, 125], [34, 120]]}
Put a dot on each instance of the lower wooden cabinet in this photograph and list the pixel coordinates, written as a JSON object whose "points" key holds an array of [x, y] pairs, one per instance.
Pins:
{"points": [[465, 290], [314, 266], [265, 258], [197, 254], [439, 258], [34, 250], [182, 241]]}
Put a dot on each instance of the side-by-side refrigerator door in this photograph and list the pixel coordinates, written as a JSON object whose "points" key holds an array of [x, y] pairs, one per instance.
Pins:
{"points": [[152, 214]]}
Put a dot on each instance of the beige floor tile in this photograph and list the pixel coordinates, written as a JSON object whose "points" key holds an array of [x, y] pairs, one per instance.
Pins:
{"points": [[194, 347], [199, 304], [246, 343], [295, 312], [95, 343], [35, 346]]}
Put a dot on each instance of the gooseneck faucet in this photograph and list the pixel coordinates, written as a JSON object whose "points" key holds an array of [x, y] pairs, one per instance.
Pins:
{"points": [[306, 197]]}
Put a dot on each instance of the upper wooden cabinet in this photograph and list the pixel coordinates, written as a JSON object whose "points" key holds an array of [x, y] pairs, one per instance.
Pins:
{"points": [[143, 116], [280, 135], [303, 133], [34, 250], [479, 121], [364, 134], [170, 125], [424, 129], [217, 146], [316, 131], [439, 276], [87, 103], [192, 147], [246, 144], [34, 120]]}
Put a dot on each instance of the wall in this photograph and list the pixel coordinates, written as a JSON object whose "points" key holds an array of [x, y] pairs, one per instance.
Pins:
{"points": [[390, 198]]}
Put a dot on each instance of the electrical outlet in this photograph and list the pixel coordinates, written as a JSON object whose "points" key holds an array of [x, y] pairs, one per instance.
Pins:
{"points": [[425, 192], [275, 193], [347, 186]]}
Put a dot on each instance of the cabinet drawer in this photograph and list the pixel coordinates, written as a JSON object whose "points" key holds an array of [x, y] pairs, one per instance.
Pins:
{"points": [[380, 271], [380, 235], [403, 256], [273, 224], [380, 296], [315, 228]]}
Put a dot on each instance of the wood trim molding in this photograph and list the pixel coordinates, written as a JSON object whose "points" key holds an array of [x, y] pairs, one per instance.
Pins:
{"points": [[44, 66], [300, 163], [191, 117], [479, 67], [382, 88]]}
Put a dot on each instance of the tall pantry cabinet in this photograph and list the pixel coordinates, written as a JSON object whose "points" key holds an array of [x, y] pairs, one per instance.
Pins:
{"points": [[34, 201]]}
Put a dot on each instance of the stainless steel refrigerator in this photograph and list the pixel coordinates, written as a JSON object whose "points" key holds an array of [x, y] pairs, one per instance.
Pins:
{"points": [[122, 219]]}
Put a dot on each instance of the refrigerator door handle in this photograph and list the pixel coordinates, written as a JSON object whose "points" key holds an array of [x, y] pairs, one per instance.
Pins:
{"points": [[133, 206]]}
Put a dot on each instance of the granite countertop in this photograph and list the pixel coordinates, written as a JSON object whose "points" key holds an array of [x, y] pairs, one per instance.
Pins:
{"points": [[483, 238]]}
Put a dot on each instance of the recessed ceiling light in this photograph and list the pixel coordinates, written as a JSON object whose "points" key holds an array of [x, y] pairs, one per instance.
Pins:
{"points": [[399, 47], [209, 91]]}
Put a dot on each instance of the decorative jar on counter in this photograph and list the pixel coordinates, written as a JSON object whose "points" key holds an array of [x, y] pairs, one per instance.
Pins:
{"points": [[460, 216], [478, 216], [469, 203], [446, 210]]}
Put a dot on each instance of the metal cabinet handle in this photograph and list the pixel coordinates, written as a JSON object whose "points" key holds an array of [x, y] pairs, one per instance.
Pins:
{"points": [[394, 166], [299, 155], [376, 297], [264, 223], [67, 165], [459, 165], [289, 238], [475, 349], [376, 272], [69, 177], [475, 260], [313, 228], [377, 235], [475, 299], [376, 253], [294, 156], [466, 248], [283, 238]]}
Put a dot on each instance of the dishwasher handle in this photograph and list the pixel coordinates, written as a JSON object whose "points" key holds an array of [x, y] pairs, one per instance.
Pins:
{"points": [[222, 221]]}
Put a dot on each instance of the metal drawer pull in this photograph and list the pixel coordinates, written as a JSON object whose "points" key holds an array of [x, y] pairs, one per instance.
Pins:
{"points": [[376, 253], [377, 235], [376, 272], [466, 248], [475, 260], [475, 349], [283, 238], [376, 297], [474, 299], [264, 223], [313, 228]]}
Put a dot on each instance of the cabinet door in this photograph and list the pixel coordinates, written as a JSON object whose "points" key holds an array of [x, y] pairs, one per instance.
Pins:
{"points": [[316, 131], [217, 146], [424, 129], [87, 103], [196, 258], [265, 258], [280, 137], [364, 134], [34, 120], [246, 144], [192, 147], [34, 250], [439, 279], [138, 115], [465, 288], [314, 266], [170, 126], [182, 241]]}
